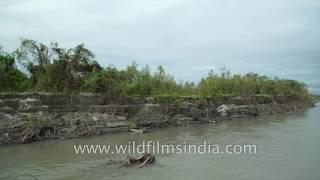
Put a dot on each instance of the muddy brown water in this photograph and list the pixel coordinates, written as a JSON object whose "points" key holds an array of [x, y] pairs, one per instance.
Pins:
{"points": [[288, 148]]}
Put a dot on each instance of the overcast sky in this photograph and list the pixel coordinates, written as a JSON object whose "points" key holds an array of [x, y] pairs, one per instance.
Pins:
{"points": [[188, 37]]}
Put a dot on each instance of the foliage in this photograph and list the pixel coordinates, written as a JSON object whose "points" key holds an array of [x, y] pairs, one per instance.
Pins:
{"points": [[56, 69], [11, 79], [251, 83], [51, 68], [30, 120]]}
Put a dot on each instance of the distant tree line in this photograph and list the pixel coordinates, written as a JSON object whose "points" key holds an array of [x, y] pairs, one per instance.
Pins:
{"points": [[49, 68]]}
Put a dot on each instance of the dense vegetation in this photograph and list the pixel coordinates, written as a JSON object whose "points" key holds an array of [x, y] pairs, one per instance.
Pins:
{"points": [[38, 67]]}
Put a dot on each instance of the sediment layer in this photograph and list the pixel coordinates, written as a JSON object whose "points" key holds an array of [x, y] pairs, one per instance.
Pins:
{"points": [[29, 117]]}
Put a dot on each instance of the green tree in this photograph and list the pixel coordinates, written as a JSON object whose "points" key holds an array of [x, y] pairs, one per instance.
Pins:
{"points": [[11, 79]]}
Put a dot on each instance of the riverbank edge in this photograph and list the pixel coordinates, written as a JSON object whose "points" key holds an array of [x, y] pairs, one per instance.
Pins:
{"points": [[30, 117]]}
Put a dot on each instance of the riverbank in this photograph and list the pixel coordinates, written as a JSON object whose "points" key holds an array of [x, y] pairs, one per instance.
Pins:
{"points": [[29, 117]]}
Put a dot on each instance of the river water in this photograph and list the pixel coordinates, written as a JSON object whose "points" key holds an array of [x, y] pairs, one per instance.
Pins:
{"points": [[288, 147]]}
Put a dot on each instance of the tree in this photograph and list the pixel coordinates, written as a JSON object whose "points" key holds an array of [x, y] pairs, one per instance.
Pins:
{"points": [[36, 58], [11, 79], [56, 69]]}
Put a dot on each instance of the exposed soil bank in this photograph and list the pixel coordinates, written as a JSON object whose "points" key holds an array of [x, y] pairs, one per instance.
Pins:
{"points": [[28, 117]]}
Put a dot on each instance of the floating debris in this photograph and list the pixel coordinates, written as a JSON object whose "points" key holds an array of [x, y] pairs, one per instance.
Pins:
{"points": [[138, 130], [144, 160]]}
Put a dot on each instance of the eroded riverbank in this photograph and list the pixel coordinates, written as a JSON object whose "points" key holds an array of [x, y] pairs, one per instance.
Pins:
{"points": [[33, 117]]}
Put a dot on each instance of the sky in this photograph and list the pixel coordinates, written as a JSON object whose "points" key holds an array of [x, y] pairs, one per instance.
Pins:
{"points": [[188, 37]]}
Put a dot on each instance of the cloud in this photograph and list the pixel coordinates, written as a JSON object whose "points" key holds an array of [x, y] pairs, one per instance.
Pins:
{"points": [[203, 68], [188, 37]]}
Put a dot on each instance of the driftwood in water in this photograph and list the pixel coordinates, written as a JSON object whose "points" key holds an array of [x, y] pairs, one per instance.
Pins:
{"points": [[143, 159], [138, 130]]}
